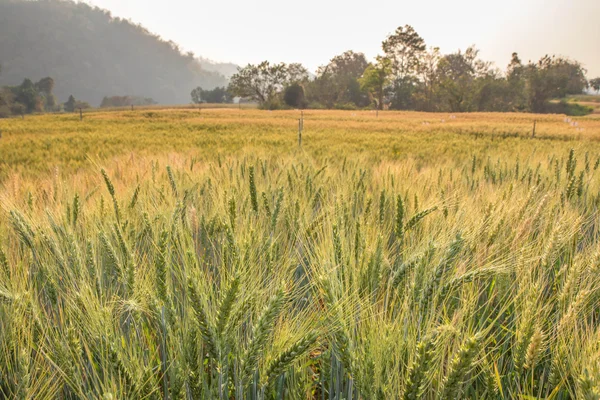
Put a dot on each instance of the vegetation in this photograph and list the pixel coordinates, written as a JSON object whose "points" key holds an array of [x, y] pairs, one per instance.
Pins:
{"points": [[408, 255], [218, 95], [264, 82], [72, 105], [595, 84], [91, 54], [28, 97], [38, 38], [125, 101], [409, 77]]}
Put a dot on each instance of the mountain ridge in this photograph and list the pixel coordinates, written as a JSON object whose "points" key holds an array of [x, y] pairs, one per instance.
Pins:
{"points": [[91, 54]]}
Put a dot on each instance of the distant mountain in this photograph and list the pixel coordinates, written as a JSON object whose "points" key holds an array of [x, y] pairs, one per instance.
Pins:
{"points": [[91, 54], [225, 69]]}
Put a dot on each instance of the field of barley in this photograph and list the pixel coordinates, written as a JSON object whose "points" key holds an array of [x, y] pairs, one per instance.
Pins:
{"points": [[187, 254]]}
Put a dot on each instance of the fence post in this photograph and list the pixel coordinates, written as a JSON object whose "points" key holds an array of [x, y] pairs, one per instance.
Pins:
{"points": [[534, 123], [300, 133], [80, 114]]}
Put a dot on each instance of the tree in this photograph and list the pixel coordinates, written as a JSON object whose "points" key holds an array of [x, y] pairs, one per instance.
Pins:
{"points": [[197, 95], [45, 85], [27, 95], [405, 49], [263, 82], [69, 106], [553, 78], [217, 95], [337, 82], [428, 77], [294, 97], [375, 79], [458, 75], [595, 84], [296, 73], [516, 81]]}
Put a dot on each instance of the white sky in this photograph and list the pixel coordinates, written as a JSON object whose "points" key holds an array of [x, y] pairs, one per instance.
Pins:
{"points": [[313, 31]]}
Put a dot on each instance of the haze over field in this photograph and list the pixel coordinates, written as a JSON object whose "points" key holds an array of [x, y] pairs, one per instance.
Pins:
{"points": [[313, 31]]}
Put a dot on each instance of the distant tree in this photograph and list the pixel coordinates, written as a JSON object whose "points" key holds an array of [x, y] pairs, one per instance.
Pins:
{"points": [[45, 85], [337, 82], [516, 80], [405, 49], [458, 75], [216, 95], [553, 78], [375, 79], [263, 82], [27, 95], [197, 95], [429, 82], [294, 97], [69, 106], [595, 84], [296, 73]]}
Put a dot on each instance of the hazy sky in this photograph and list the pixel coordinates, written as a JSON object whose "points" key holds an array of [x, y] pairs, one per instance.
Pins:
{"points": [[313, 31]]}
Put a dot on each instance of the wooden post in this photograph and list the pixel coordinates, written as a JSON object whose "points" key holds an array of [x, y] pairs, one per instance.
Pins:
{"points": [[132, 107], [300, 133], [377, 113], [80, 114], [533, 134]]}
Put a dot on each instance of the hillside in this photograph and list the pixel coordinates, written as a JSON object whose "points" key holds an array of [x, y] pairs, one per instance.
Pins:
{"points": [[225, 69], [90, 54]]}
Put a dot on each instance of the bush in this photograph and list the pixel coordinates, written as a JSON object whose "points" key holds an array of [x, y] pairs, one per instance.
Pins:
{"points": [[570, 109], [294, 96], [5, 112], [315, 105], [274, 104], [345, 106], [18, 109]]}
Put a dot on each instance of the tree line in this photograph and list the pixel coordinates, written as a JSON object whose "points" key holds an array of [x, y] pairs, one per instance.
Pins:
{"points": [[408, 75], [30, 97]]}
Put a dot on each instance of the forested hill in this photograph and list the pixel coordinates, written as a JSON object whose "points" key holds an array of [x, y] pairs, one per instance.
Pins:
{"points": [[90, 54]]}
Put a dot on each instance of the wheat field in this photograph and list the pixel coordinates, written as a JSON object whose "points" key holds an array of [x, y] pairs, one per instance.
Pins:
{"points": [[186, 254]]}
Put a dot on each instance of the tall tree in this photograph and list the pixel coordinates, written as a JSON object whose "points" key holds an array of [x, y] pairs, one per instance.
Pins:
{"points": [[70, 104], [405, 49], [428, 77], [516, 80], [375, 79]]}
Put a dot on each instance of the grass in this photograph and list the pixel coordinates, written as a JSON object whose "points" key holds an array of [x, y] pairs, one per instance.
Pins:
{"points": [[175, 255]]}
